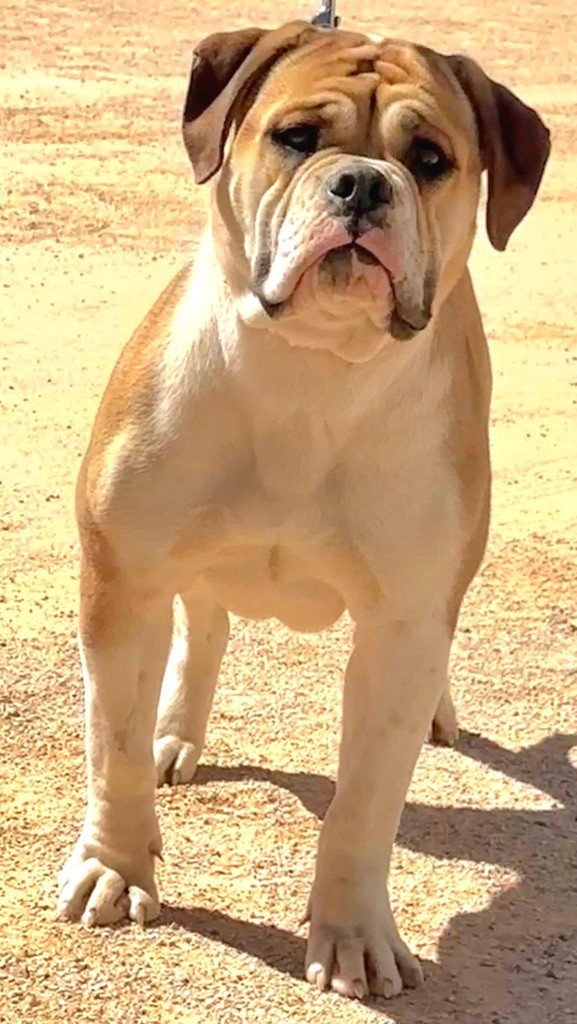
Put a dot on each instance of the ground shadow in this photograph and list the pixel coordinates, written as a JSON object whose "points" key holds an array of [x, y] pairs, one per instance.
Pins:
{"points": [[276, 947], [514, 962]]}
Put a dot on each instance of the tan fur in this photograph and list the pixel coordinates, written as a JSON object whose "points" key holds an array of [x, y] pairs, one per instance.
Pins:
{"points": [[268, 446]]}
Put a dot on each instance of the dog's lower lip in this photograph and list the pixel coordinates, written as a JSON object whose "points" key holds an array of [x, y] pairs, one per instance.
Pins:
{"points": [[271, 309], [364, 255]]}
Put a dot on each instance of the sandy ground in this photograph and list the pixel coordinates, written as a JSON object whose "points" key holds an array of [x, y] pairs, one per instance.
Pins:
{"points": [[97, 212]]}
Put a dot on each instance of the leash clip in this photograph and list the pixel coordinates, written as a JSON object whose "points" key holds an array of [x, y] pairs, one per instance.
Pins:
{"points": [[326, 16]]}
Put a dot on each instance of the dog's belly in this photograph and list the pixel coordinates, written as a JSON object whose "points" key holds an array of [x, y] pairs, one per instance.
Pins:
{"points": [[269, 582]]}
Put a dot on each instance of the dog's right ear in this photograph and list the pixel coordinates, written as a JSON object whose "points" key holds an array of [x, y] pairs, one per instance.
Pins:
{"points": [[214, 62], [224, 67]]}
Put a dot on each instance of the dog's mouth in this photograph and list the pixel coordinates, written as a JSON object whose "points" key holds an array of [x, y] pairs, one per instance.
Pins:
{"points": [[338, 267], [342, 254], [369, 249], [348, 265], [365, 271]]}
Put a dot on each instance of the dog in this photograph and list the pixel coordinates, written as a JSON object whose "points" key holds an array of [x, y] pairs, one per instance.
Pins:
{"points": [[299, 427]]}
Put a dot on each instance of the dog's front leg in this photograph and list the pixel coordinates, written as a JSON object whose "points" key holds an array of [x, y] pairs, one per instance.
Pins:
{"points": [[124, 638], [392, 686]]}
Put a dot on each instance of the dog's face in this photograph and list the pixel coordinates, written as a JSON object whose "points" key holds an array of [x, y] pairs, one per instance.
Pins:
{"points": [[346, 201]]}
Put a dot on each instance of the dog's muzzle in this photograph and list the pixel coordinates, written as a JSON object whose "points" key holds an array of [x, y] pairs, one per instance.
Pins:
{"points": [[357, 193]]}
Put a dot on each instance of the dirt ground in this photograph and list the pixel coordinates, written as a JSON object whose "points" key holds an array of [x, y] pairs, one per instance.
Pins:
{"points": [[98, 210]]}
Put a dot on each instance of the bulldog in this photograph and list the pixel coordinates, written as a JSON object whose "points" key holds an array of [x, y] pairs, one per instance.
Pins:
{"points": [[299, 427]]}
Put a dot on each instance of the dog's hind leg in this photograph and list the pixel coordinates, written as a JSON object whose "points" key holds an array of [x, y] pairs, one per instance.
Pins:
{"points": [[199, 641], [445, 730]]}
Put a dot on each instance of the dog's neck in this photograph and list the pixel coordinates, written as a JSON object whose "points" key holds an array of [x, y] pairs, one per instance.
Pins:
{"points": [[267, 368]]}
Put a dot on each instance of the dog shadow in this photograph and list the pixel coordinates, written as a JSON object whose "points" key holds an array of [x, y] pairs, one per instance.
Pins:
{"points": [[514, 961]]}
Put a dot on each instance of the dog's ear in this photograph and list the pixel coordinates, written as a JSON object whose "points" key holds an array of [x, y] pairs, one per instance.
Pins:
{"points": [[225, 68], [514, 145]]}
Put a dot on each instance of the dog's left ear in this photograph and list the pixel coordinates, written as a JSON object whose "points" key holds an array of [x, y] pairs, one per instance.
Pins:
{"points": [[225, 68], [514, 145]]}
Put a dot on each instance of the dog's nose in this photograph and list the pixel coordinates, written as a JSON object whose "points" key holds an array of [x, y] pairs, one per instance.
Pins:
{"points": [[356, 191]]}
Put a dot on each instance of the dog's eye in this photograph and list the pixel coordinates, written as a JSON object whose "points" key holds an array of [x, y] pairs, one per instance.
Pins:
{"points": [[427, 161], [301, 138]]}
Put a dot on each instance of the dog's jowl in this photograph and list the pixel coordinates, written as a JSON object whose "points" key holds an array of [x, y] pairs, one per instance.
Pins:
{"points": [[299, 427]]}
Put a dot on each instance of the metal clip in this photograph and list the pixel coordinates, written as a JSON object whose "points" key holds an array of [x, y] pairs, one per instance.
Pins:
{"points": [[326, 16]]}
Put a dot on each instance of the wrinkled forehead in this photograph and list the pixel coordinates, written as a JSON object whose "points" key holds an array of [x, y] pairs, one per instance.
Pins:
{"points": [[333, 65], [346, 66]]}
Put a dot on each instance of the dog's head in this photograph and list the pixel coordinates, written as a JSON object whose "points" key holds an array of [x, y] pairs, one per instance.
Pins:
{"points": [[348, 176]]}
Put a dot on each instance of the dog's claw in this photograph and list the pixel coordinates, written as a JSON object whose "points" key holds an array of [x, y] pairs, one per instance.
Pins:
{"points": [[316, 975]]}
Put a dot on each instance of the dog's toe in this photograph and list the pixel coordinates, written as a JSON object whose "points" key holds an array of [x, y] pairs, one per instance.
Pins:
{"points": [[445, 730], [176, 760]]}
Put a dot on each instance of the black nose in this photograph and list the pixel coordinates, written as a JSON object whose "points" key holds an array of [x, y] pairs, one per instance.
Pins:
{"points": [[356, 191]]}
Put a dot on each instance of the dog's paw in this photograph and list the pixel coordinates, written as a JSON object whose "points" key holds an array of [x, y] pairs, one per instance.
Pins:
{"points": [[445, 730], [96, 894], [176, 760], [359, 955]]}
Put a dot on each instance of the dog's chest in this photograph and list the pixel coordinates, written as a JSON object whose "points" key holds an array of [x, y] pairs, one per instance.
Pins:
{"points": [[309, 492], [295, 453], [331, 512]]}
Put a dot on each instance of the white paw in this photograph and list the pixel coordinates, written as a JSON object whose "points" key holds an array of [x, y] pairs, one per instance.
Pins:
{"points": [[175, 760], [96, 894], [444, 729], [360, 954]]}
